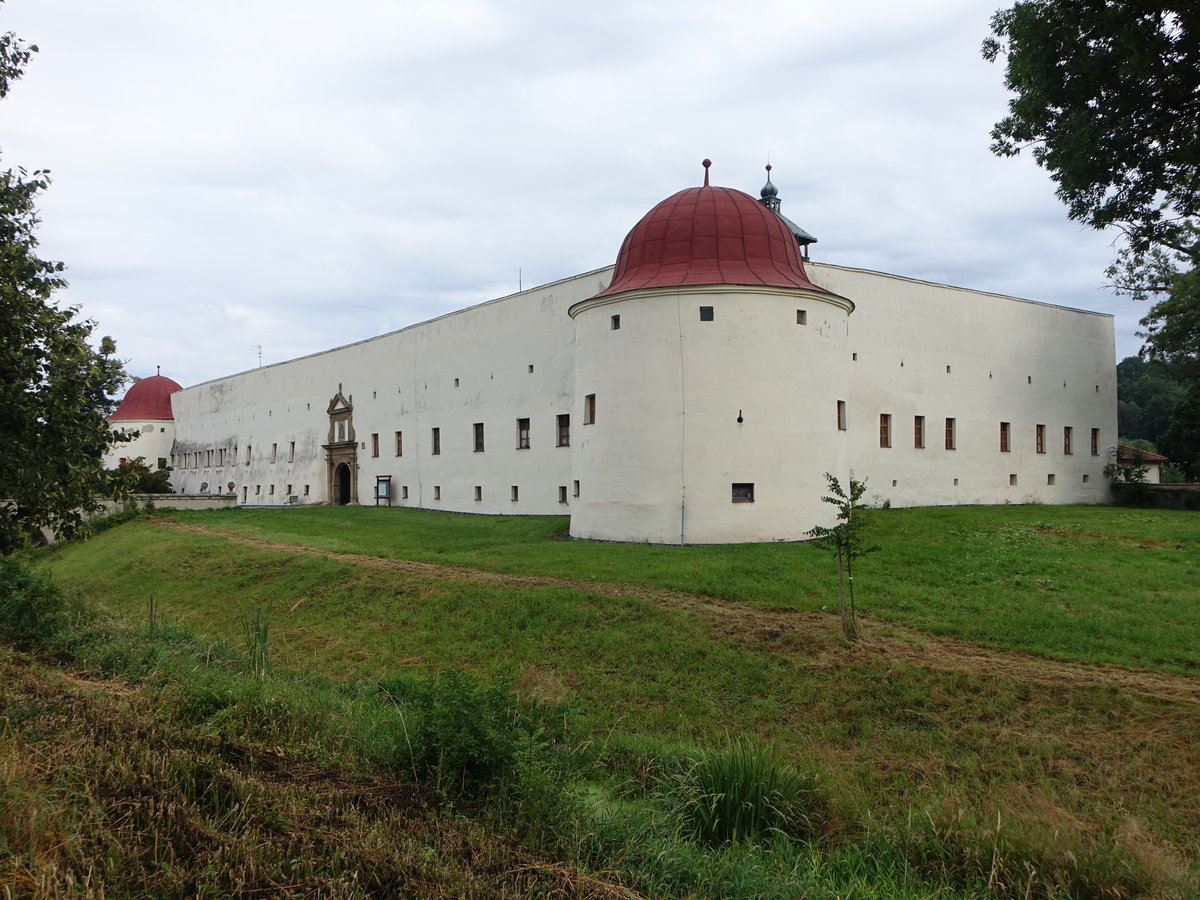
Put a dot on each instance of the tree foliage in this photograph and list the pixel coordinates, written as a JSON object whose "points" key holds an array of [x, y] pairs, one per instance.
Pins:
{"points": [[55, 388], [1107, 99], [1146, 398]]}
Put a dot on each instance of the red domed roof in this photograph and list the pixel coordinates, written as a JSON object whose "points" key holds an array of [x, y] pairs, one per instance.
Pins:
{"points": [[149, 398], [709, 235]]}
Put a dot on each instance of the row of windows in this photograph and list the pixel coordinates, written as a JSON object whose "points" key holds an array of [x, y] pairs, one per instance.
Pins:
{"points": [[708, 314], [562, 432], [196, 459], [514, 492], [950, 434]]}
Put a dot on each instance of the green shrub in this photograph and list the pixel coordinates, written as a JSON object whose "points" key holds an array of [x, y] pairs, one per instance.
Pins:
{"points": [[460, 731], [741, 791], [31, 609]]}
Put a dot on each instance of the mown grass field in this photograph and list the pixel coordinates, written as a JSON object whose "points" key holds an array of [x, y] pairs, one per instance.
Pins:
{"points": [[954, 713]]}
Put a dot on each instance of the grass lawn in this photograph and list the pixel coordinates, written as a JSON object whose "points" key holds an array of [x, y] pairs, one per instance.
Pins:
{"points": [[1086, 763], [1091, 583]]}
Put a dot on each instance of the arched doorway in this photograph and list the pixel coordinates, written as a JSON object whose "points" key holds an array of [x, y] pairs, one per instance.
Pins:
{"points": [[341, 453]]}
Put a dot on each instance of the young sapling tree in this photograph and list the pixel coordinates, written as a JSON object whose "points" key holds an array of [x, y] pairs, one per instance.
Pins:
{"points": [[846, 542]]}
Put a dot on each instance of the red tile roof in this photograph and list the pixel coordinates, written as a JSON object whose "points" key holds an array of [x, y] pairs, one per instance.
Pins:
{"points": [[149, 398], [709, 235]]}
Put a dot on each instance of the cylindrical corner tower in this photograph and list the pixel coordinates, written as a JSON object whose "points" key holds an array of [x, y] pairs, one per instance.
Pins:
{"points": [[711, 376]]}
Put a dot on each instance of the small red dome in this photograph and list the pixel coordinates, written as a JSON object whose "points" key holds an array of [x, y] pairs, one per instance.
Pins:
{"points": [[709, 235], [149, 398]]}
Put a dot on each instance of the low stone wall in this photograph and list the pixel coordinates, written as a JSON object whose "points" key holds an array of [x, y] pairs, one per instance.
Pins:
{"points": [[1175, 496], [173, 501]]}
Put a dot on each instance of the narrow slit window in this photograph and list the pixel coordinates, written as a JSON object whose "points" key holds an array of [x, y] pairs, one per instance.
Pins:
{"points": [[1005, 437], [589, 409], [1095, 442], [478, 437], [1068, 440], [1040, 438], [576, 491], [919, 432], [478, 492], [615, 323], [515, 494], [435, 439], [399, 443], [841, 415], [374, 445], [437, 492]]}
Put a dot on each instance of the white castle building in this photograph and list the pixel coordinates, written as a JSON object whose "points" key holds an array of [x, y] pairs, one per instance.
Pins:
{"points": [[696, 392]]}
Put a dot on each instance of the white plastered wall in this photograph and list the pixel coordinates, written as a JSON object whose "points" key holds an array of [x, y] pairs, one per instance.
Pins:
{"points": [[660, 462], [152, 439], [918, 348], [469, 366]]}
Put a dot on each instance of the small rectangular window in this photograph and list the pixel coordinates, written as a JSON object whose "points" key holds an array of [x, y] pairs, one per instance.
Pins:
{"points": [[1068, 440], [289, 490], [841, 415], [514, 493], [404, 492], [615, 323], [399, 443], [436, 441], [522, 434], [248, 454], [589, 409], [274, 448], [1012, 480], [1095, 442], [291, 452], [1049, 479], [743, 492], [271, 490], [437, 492], [564, 430], [306, 490], [801, 317], [374, 445], [478, 492], [478, 438], [1040, 438], [576, 491], [706, 314], [919, 432], [885, 429], [257, 489], [950, 435], [562, 493], [1005, 437]]}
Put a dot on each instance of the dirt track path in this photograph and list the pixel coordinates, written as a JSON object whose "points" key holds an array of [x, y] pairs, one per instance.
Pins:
{"points": [[814, 634]]}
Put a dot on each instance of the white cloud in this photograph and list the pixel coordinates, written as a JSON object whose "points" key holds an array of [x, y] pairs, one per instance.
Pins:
{"points": [[300, 174]]}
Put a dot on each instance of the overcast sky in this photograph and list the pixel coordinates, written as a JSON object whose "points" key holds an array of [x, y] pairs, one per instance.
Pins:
{"points": [[303, 174]]}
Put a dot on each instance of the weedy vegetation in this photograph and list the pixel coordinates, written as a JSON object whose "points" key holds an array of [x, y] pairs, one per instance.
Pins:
{"points": [[659, 723]]}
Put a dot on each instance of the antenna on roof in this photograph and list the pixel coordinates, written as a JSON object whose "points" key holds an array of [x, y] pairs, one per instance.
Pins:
{"points": [[259, 346]]}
